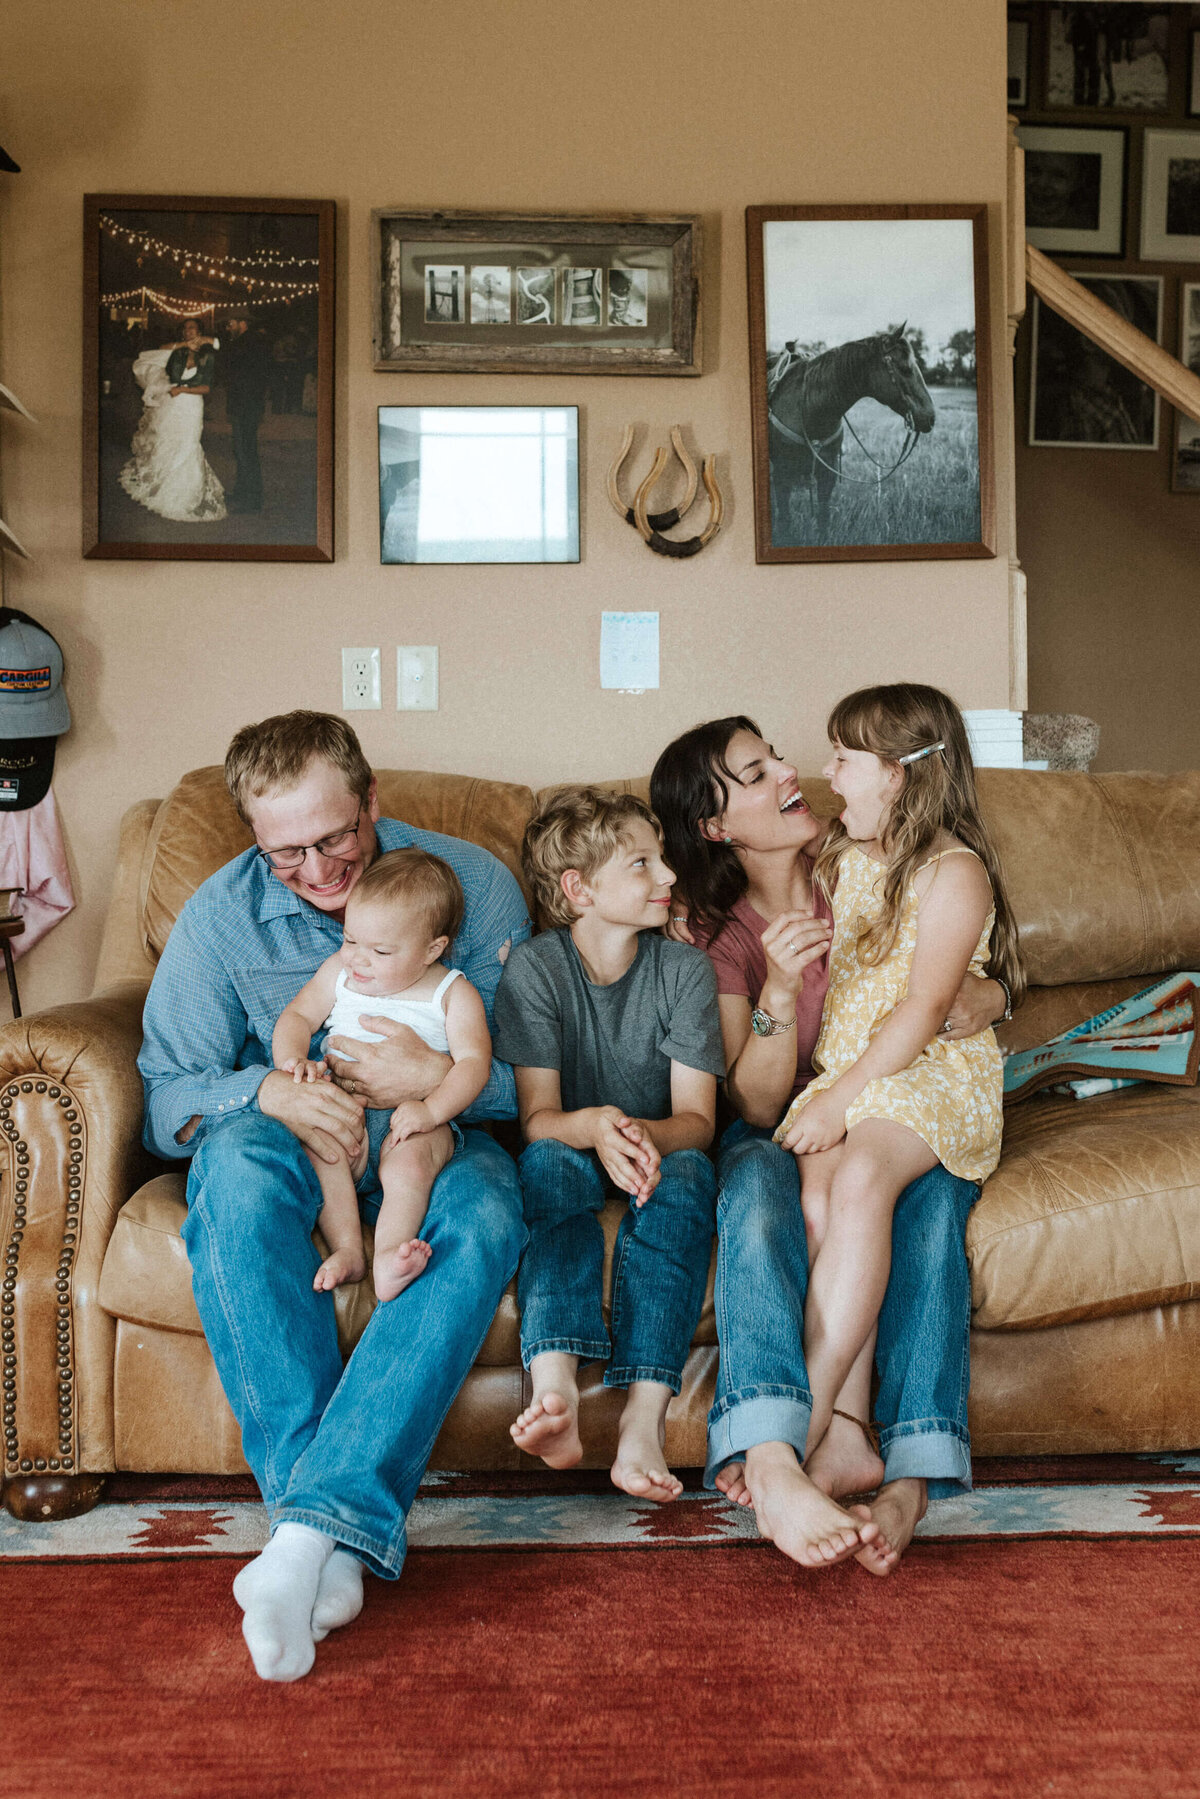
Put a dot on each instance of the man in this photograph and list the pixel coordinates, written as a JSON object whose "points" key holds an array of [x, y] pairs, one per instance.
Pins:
{"points": [[338, 1456], [247, 373]]}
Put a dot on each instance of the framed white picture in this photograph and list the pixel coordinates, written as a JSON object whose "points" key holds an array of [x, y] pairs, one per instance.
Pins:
{"points": [[1080, 398], [1171, 196], [1074, 188]]}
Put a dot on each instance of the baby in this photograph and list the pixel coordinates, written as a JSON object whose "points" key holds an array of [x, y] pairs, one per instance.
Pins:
{"points": [[402, 916]]}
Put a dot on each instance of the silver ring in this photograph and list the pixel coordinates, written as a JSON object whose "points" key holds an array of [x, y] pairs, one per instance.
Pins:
{"points": [[792, 944], [679, 918]]}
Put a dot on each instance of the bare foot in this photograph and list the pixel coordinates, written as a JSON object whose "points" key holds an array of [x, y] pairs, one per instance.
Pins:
{"points": [[732, 1482], [844, 1461], [897, 1509], [549, 1427], [342, 1266], [398, 1268], [796, 1516], [640, 1467]]}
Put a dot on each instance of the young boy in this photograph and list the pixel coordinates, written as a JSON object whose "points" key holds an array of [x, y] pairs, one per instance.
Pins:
{"points": [[401, 917], [614, 1037]]}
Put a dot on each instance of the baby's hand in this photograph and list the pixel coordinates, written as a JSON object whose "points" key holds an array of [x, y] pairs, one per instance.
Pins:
{"points": [[301, 1069], [821, 1125], [412, 1119]]}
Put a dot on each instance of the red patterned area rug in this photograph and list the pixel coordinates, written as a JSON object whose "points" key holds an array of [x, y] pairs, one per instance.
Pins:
{"points": [[1050, 1648]]}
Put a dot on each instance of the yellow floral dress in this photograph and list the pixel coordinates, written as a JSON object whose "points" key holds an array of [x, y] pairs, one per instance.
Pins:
{"points": [[952, 1095]]}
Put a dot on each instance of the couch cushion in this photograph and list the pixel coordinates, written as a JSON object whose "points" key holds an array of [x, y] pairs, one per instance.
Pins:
{"points": [[197, 830], [147, 1278], [1094, 1210]]}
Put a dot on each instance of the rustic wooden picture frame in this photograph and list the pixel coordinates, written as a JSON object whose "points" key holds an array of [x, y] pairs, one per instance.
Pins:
{"points": [[771, 448], [162, 260], [485, 292]]}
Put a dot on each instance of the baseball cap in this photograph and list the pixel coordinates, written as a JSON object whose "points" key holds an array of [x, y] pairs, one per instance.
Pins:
{"points": [[33, 709], [32, 702]]}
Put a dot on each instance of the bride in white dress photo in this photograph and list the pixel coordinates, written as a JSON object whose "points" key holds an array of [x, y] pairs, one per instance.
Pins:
{"points": [[168, 471]]}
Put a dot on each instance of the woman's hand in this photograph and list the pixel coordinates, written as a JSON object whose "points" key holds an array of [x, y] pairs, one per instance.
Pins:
{"points": [[821, 1125], [791, 943], [977, 1004], [678, 929]]}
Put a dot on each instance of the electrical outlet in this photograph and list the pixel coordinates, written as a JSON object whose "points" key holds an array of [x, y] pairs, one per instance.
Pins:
{"points": [[361, 680], [417, 677]]}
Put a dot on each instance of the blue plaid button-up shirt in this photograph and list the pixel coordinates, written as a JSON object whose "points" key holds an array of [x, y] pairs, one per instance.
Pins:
{"points": [[242, 948]]}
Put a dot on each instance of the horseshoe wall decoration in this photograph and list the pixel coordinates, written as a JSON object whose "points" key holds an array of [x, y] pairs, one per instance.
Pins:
{"points": [[660, 521], [651, 525]]}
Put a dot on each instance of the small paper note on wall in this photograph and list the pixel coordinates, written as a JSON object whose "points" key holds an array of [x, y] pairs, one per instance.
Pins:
{"points": [[629, 650]]}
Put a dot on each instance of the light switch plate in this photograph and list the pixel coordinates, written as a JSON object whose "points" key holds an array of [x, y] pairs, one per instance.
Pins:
{"points": [[417, 677], [361, 680]]}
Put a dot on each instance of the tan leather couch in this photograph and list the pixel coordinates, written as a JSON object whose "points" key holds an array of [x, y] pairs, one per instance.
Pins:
{"points": [[1084, 1247]]}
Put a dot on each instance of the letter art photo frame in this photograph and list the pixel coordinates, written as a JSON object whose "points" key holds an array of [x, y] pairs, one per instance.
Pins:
{"points": [[504, 293], [208, 378], [871, 389]]}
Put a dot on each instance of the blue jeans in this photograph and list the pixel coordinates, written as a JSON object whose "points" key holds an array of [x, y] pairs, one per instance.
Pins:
{"points": [[922, 1352], [659, 1270], [341, 1451]]}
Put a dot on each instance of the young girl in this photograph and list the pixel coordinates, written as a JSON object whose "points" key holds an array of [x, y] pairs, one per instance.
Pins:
{"points": [[401, 918], [918, 899]]}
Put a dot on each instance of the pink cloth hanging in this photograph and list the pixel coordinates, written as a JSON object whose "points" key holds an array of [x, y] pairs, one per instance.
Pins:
{"points": [[32, 856]]}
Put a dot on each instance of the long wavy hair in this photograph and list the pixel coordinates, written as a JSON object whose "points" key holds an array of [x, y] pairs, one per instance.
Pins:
{"points": [[690, 783], [938, 795]]}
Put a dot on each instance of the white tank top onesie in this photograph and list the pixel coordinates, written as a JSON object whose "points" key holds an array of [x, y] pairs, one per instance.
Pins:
{"points": [[426, 1017]]}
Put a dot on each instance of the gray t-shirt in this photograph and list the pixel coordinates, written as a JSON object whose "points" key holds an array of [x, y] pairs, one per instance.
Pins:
{"points": [[614, 1045]]}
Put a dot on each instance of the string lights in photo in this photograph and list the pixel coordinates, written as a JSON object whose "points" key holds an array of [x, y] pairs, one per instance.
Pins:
{"points": [[185, 258]]}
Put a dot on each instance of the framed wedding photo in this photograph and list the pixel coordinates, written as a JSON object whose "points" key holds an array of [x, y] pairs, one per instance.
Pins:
{"points": [[870, 374], [506, 294], [1074, 188], [208, 378], [1171, 196], [1080, 398]]}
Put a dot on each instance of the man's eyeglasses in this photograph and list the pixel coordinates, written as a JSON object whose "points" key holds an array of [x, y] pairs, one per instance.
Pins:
{"points": [[340, 845]]}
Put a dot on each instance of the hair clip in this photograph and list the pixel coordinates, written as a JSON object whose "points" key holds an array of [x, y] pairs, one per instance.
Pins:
{"points": [[919, 755]]}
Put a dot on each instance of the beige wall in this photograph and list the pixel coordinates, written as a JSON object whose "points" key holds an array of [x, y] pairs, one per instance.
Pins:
{"points": [[703, 106], [1114, 612]]}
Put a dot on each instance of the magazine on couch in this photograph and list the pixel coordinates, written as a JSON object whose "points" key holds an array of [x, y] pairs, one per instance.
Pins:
{"points": [[1151, 1036]]}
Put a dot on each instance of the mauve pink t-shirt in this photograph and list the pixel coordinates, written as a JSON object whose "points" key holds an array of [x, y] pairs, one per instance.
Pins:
{"points": [[737, 954]]}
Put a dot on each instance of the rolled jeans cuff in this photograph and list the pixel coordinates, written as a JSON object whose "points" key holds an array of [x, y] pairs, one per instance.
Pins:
{"points": [[384, 1558], [763, 1414], [930, 1449], [625, 1377], [587, 1349]]}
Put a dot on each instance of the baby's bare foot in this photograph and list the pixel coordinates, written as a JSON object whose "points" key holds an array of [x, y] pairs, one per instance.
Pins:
{"points": [[549, 1427], [342, 1266], [844, 1461], [640, 1467], [797, 1517], [897, 1509], [398, 1268], [732, 1482]]}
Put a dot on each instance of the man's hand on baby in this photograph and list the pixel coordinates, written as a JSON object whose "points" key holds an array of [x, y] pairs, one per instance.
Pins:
{"points": [[630, 1161], [411, 1119], [385, 1074], [326, 1120], [821, 1125]]}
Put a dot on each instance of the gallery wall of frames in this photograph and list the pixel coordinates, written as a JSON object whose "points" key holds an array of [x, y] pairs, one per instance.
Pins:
{"points": [[1108, 103]]}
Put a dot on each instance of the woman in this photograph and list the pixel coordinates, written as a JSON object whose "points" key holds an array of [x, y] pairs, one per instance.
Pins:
{"points": [[168, 472], [742, 842]]}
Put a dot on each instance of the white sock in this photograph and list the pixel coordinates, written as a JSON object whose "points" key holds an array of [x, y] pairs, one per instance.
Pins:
{"points": [[276, 1592], [339, 1594]]}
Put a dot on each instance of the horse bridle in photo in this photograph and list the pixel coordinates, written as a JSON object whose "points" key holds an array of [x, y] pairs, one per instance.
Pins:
{"points": [[651, 525], [911, 439]]}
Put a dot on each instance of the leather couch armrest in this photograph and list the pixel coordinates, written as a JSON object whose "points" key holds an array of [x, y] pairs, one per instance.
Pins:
{"points": [[70, 1156]]}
